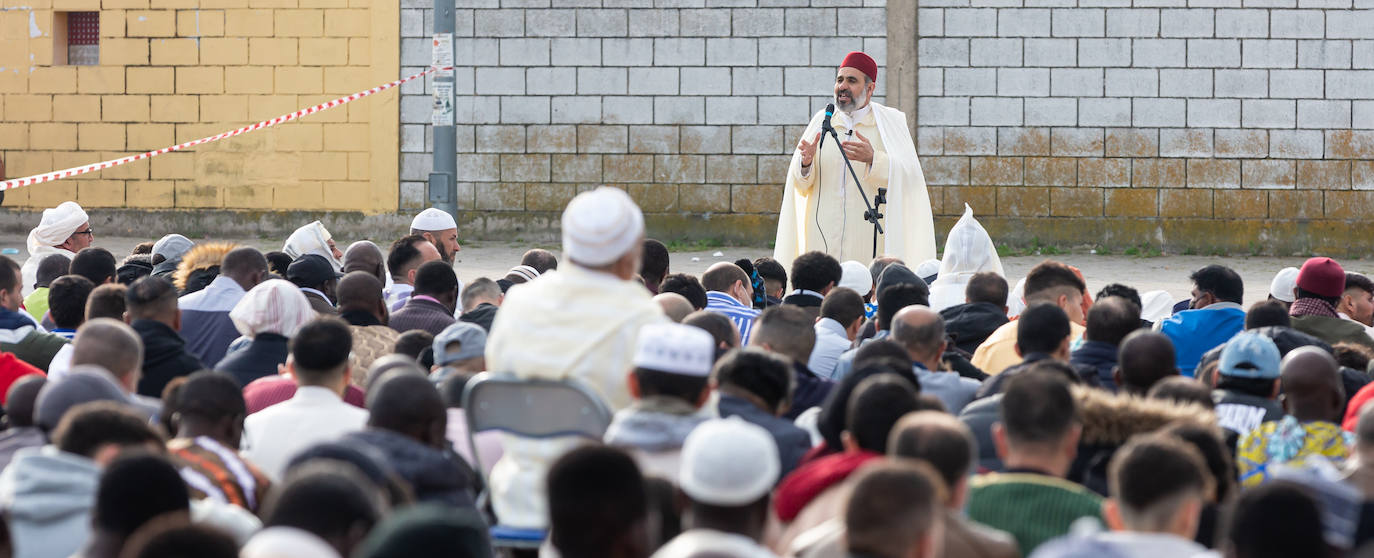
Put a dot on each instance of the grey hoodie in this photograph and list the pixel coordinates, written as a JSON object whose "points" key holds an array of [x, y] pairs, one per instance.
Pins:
{"points": [[48, 495], [653, 424]]}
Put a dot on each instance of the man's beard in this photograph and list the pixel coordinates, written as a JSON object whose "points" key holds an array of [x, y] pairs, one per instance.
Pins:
{"points": [[852, 104], [444, 254]]}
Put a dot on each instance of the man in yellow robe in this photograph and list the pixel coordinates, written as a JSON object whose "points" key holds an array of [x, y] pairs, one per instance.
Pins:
{"points": [[821, 208]]}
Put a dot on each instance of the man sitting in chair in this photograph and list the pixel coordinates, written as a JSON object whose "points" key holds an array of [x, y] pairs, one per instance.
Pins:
{"points": [[672, 363]]}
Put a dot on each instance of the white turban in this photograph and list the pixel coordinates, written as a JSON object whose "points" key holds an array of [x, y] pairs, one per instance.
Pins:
{"points": [[57, 225], [600, 226], [311, 239], [287, 542], [274, 306], [433, 219]]}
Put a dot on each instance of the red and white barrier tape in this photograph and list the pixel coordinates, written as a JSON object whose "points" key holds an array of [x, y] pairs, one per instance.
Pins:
{"points": [[74, 171]]}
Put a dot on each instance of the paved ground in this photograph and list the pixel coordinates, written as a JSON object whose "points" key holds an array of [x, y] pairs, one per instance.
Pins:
{"points": [[493, 259]]}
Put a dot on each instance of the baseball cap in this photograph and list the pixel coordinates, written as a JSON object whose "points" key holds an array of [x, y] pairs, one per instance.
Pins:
{"points": [[1250, 355], [1284, 281], [311, 269], [857, 277], [471, 337]]}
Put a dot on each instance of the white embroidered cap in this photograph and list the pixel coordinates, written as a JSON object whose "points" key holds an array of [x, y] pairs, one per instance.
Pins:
{"points": [[600, 226], [433, 219], [728, 462], [675, 349]]}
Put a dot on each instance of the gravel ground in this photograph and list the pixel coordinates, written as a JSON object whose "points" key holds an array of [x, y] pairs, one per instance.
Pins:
{"points": [[1170, 273]]}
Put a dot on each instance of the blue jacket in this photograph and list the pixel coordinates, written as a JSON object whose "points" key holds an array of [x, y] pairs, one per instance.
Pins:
{"points": [[1195, 332], [793, 442]]}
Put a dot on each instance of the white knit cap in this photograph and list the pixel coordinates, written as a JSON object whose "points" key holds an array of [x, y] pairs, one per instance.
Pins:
{"points": [[857, 277], [600, 226], [433, 219], [728, 462], [676, 349], [1283, 284]]}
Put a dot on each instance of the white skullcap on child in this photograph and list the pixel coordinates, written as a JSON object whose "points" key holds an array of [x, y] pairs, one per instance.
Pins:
{"points": [[728, 463], [1283, 284], [433, 219], [857, 277], [600, 226], [675, 349]]}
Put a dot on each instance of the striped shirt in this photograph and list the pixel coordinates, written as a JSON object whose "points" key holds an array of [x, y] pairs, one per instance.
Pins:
{"points": [[214, 471], [740, 315]]}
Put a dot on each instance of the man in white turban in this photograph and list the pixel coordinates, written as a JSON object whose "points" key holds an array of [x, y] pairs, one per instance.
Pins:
{"points": [[580, 321], [64, 229], [439, 228], [314, 239]]}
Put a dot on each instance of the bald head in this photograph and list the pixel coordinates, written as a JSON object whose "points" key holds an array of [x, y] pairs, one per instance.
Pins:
{"points": [[921, 331], [725, 277], [1145, 357], [245, 265], [674, 305], [365, 256], [1311, 382], [111, 345], [360, 290]]}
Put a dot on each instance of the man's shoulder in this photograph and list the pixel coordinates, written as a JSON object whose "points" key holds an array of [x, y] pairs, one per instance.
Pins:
{"points": [[993, 483]]}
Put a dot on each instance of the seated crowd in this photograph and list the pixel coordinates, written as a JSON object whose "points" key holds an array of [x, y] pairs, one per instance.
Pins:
{"points": [[212, 400]]}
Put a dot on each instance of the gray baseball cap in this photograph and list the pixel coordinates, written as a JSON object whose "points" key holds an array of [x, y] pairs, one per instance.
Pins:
{"points": [[472, 341]]}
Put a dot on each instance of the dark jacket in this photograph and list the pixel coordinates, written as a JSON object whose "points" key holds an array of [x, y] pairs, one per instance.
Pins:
{"points": [[793, 442], [482, 315], [1333, 330], [1086, 375], [1238, 413], [809, 303], [19, 336], [259, 359], [1099, 356], [979, 416], [164, 357], [320, 304], [436, 475], [811, 390], [422, 314], [1109, 420], [970, 324]]}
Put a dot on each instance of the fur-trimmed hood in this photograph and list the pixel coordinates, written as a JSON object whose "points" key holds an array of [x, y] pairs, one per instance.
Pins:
{"points": [[1110, 419], [203, 258]]}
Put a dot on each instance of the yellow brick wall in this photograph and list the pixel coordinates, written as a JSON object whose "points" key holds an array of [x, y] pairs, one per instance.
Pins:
{"points": [[177, 70]]}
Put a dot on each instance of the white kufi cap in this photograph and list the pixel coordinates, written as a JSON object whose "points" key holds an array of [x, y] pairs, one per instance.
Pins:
{"points": [[433, 219], [675, 349], [857, 277], [728, 463], [1283, 284], [600, 226]]}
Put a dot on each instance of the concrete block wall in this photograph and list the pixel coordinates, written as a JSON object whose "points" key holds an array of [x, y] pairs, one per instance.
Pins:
{"points": [[172, 71], [692, 106], [1232, 113]]}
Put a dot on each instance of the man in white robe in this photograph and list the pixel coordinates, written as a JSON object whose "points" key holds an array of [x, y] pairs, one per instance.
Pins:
{"points": [[64, 229], [821, 208], [580, 321]]}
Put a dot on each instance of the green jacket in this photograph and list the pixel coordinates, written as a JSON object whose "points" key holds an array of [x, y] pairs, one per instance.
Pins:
{"points": [[1333, 330], [1033, 508], [36, 348]]}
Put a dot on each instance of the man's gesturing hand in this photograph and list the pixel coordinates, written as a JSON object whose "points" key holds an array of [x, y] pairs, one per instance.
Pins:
{"points": [[808, 149], [860, 150]]}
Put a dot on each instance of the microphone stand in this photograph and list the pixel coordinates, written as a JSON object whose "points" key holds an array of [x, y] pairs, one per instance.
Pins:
{"points": [[871, 215]]}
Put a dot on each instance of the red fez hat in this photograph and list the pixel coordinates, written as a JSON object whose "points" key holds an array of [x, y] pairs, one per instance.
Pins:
{"points": [[861, 62], [1322, 276]]}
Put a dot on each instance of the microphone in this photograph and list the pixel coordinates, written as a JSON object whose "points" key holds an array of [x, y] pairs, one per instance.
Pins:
{"points": [[829, 112]]}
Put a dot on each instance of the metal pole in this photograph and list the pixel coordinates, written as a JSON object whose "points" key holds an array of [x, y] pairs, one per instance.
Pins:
{"points": [[443, 189]]}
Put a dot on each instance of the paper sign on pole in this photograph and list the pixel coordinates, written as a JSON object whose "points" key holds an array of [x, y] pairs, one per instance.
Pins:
{"points": [[443, 53], [443, 103]]}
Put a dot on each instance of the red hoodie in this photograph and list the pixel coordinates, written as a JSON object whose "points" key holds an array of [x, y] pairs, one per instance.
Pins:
{"points": [[809, 481], [11, 370]]}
